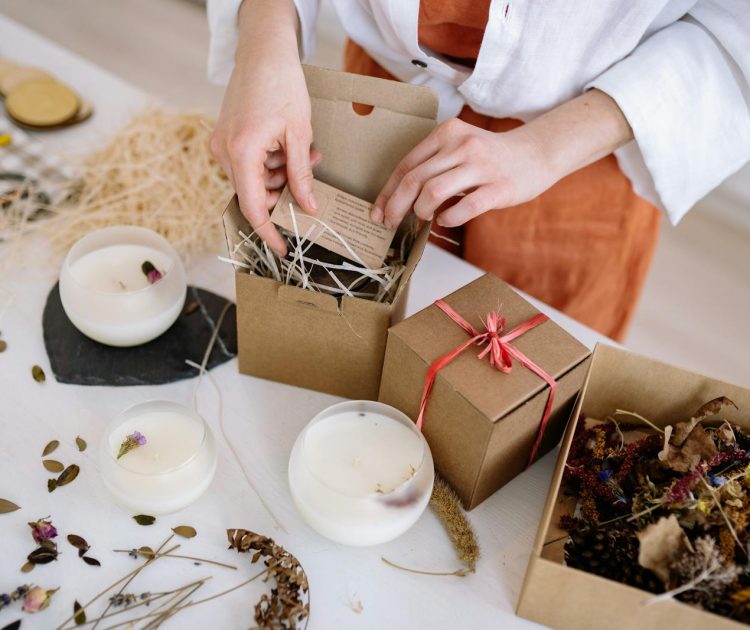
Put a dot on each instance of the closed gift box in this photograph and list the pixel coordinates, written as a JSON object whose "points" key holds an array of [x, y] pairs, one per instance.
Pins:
{"points": [[312, 339], [480, 422], [563, 597]]}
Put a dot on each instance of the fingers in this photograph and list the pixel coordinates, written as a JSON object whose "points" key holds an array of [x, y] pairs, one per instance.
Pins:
{"points": [[482, 199], [299, 170], [441, 188]]}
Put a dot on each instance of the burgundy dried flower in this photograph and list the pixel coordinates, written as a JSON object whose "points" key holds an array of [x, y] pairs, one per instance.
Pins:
{"points": [[134, 440], [42, 530], [152, 273]]}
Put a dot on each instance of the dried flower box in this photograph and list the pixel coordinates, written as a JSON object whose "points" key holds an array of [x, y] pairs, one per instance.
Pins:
{"points": [[652, 396]]}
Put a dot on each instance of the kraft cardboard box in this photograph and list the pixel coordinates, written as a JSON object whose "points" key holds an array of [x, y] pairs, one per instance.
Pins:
{"points": [[481, 423], [567, 598], [311, 339]]}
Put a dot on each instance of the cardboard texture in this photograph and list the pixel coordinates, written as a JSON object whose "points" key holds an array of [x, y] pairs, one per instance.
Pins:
{"points": [[309, 339], [562, 597], [481, 423]]}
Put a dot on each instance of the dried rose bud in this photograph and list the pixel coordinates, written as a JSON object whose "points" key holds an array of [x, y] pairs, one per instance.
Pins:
{"points": [[152, 273], [42, 530], [134, 440], [37, 599]]}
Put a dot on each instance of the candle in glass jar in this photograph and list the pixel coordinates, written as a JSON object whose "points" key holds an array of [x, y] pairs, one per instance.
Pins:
{"points": [[361, 473], [171, 469], [122, 285]]}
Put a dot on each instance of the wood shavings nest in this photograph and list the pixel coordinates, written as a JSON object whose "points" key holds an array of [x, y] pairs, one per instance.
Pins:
{"points": [[156, 172]]}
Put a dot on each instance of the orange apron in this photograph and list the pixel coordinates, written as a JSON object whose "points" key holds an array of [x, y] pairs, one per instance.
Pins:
{"points": [[585, 245]]}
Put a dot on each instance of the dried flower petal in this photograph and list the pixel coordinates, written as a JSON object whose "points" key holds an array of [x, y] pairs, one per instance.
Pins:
{"points": [[185, 531], [53, 465], [152, 273], [8, 506], [81, 443], [68, 475], [51, 446]]}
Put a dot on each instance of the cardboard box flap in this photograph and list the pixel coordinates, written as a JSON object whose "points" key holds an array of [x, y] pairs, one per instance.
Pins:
{"points": [[430, 333], [361, 151]]}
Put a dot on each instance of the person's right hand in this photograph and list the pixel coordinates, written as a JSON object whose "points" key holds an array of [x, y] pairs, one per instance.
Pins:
{"points": [[263, 135]]}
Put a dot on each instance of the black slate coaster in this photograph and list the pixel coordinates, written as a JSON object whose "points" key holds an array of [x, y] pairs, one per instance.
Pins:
{"points": [[76, 359]]}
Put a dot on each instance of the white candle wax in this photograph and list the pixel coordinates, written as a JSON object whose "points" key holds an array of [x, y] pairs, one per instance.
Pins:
{"points": [[106, 294], [360, 473], [171, 470]]}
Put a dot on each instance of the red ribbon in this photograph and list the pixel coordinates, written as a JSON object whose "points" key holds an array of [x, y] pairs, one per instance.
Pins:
{"points": [[500, 352]]}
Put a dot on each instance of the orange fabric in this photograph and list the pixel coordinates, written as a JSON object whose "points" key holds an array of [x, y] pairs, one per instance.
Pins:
{"points": [[453, 27], [584, 246]]}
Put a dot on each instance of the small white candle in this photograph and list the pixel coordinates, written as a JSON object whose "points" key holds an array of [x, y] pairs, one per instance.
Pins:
{"points": [[171, 470], [106, 294], [360, 473]]}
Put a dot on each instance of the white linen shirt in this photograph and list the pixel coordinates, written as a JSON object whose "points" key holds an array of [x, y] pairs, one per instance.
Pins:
{"points": [[678, 69]]}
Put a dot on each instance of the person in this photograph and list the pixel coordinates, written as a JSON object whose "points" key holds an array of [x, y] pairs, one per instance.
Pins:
{"points": [[567, 128]]}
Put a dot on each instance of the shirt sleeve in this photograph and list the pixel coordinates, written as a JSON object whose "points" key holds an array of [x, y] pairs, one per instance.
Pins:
{"points": [[222, 24], [686, 93]]}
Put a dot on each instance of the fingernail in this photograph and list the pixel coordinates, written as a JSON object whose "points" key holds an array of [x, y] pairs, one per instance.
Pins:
{"points": [[312, 203], [376, 215]]}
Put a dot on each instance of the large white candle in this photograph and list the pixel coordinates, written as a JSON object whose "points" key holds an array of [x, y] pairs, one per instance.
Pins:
{"points": [[171, 470], [360, 473], [107, 295]]}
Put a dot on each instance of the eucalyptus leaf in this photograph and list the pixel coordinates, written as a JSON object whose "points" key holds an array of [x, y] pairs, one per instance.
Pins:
{"points": [[8, 506], [68, 475], [185, 531], [79, 614], [38, 374], [144, 519], [51, 446], [53, 465], [91, 561], [81, 443]]}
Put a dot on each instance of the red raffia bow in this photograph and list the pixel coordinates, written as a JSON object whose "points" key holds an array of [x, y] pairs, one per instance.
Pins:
{"points": [[501, 354]]}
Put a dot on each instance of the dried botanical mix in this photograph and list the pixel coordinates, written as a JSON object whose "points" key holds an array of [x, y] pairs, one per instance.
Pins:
{"points": [[665, 510]]}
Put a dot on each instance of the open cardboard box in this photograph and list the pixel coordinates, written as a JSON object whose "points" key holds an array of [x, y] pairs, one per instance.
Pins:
{"points": [[311, 339], [563, 597]]}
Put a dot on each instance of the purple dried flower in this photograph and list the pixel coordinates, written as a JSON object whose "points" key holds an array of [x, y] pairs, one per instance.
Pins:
{"points": [[152, 273], [42, 530], [134, 440]]}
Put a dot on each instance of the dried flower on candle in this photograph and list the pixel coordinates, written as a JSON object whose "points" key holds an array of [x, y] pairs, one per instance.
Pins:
{"points": [[134, 440], [152, 274], [664, 508], [37, 599], [42, 530]]}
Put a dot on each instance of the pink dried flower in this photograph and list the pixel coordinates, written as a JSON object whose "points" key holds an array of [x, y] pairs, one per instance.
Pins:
{"points": [[42, 530], [152, 273], [37, 599]]}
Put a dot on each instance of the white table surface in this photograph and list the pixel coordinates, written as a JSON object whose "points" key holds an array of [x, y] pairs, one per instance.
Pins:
{"points": [[262, 419]]}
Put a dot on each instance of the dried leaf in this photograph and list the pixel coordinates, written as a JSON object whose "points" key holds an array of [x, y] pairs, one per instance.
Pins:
{"points": [[79, 614], [51, 446], [697, 446], [27, 567], [144, 519], [661, 543], [79, 543], [51, 485], [38, 374], [53, 465], [81, 443], [4, 345], [185, 531], [68, 475], [91, 561], [8, 506], [13, 625], [713, 407], [42, 555], [146, 552], [190, 308]]}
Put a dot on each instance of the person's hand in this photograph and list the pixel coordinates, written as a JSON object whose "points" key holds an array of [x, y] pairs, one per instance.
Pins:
{"points": [[490, 170], [263, 135]]}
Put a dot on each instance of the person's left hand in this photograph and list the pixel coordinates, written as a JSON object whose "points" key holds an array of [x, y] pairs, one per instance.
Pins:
{"points": [[491, 170]]}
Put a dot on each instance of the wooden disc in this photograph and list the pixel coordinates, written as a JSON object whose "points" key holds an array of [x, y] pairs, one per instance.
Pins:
{"points": [[85, 110], [11, 77], [42, 103]]}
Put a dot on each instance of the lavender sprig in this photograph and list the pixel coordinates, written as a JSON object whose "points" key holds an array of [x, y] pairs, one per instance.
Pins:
{"points": [[134, 440]]}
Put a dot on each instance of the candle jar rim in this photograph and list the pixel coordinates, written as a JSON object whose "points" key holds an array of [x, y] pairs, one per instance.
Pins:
{"points": [[378, 407], [72, 255], [173, 406]]}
